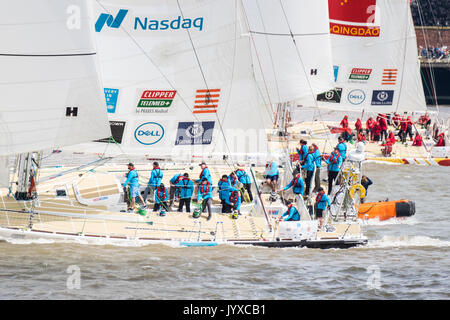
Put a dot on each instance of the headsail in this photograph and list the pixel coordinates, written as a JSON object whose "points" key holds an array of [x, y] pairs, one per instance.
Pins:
{"points": [[181, 72], [50, 93], [375, 57], [291, 49]]}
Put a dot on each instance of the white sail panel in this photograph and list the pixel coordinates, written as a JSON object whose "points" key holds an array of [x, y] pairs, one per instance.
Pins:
{"points": [[184, 75], [4, 172], [375, 57], [50, 92], [291, 44]]}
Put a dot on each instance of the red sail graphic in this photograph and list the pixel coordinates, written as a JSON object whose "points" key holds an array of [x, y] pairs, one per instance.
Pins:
{"points": [[360, 11], [349, 16]]}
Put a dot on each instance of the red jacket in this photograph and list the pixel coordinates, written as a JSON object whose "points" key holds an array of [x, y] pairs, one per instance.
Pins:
{"points": [[417, 140], [358, 124], [344, 123], [441, 142], [392, 138], [370, 123], [376, 129], [383, 124]]}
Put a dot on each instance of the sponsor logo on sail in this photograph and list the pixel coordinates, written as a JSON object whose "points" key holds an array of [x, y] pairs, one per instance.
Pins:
{"points": [[149, 133], [383, 97], [353, 18], [117, 130], [333, 95], [155, 101], [145, 23], [206, 101], [109, 20], [71, 111], [389, 77], [111, 99], [360, 74], [190, 133], [356, 96]]}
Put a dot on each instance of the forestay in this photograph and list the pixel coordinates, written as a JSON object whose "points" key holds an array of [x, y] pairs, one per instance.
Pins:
{"points": [[375, 57], [179, 75], [291, 49], [50, 93]]}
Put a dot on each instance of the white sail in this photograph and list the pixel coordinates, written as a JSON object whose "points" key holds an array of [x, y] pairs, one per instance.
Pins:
{"points": [[182, 78], [50, 93], [4, 172], [375, 57], [291, 49]]}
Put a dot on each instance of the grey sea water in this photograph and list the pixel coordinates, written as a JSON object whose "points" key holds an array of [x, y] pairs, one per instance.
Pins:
{"points": [[405, 259]]}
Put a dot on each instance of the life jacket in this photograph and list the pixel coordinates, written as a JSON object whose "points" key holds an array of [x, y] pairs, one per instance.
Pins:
{"points": [[183, 180], [334, 157], [233, 179], [296, 179], [204, 188], [163, 194], [126, 175], [234, 197], [223, 180], [158, 175], [319, 197]]}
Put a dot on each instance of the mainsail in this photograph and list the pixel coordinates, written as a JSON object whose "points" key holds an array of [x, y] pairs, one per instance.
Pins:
{"points": [[180, 76], [375, 57], [50, 93], [291, 49]]}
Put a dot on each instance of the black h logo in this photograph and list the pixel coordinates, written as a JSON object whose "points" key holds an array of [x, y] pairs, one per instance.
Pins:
{"points": [[71, 111], [314, 72]]}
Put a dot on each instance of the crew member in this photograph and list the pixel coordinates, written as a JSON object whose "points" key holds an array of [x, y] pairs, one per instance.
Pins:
{"points": [[234, 201], [309, 166], [383, 127], [365, 182], [133, 180], [418, 142], [232, 179], [318, 163], [154, 181], [224, 188], [358, 125], [334, 162], [161, 197], [244, 178], [342, 148], [205, 193], [303, 151], [322, 200], [291, 213], [297, 184], [272, 175], [369, 128], [173, 190], [186, 187], [441, 142]]}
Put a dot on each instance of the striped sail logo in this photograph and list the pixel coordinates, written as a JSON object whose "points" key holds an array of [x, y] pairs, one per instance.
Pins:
{"points": [[389, 77], [206, 101]]}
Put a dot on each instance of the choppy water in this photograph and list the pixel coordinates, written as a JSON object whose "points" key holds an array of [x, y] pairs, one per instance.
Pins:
{"points": [[406, 259]]}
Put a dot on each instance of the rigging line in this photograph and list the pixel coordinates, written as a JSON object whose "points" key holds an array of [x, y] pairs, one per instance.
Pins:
{"points": [[150, 59], [259, 61], [404, 53], [289, 34], [47, 55], [270, 51], [203, 75]]}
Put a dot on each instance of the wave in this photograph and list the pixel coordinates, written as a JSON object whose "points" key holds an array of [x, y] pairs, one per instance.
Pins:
{"points": [[393, 221], [407, 241]]}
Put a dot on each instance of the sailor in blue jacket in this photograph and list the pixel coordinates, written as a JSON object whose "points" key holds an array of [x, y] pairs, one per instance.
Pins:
{"points": [[244, 178], [224, 191], [205, 193], [234, 200], [318, 162], [271, 173], [204, 174], [334, 162], [297, 184], [186, 187], [232, 179], [291, 214], [155, 180], [133, 180], [342, 147], [173, 187], [161, 197], [309, 166], [303, 151], [322, 200]]}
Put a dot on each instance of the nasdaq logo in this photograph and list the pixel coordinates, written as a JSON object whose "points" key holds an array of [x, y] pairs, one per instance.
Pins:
{"points": [[109, 20], [149, 133], [383, 97], [144, 23]]}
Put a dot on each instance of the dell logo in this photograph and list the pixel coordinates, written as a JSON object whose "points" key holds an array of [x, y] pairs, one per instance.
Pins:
{"points": [[109, 20], [149, 133]]}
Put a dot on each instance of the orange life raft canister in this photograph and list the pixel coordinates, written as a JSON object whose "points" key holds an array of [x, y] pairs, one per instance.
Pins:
{"points": [[386, 210]]}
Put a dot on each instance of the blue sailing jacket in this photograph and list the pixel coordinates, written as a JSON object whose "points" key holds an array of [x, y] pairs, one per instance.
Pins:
{"points": [[205, 175], [132, 179], [186, 188], [309, 163], [298, 185], [161, 195], [204, 191], [243, 177], [237, 200], [272, 169], [334, 162], [342, 149], [174, 180], [322, 200], [292, 214], [155, 177], [302, 152], [224, 189], [317, 158]]}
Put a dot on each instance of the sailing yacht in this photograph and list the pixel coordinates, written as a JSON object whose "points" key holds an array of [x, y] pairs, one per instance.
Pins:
{"points": [[184, 83]]}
